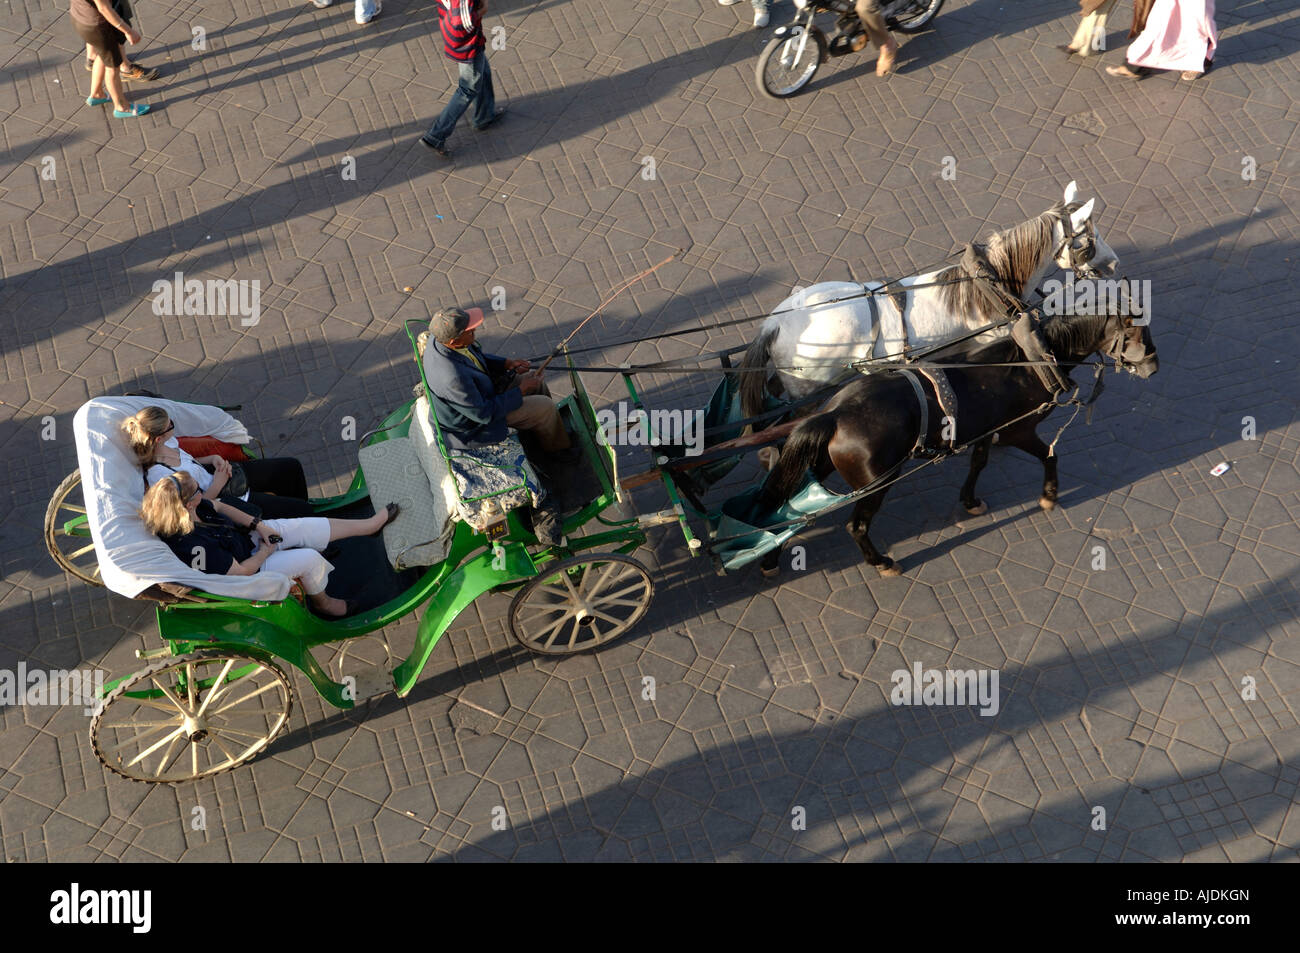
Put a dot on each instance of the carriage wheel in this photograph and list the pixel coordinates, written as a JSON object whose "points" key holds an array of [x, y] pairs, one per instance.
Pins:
{"points": [[581, 603], [67, 531], [191, 717]]}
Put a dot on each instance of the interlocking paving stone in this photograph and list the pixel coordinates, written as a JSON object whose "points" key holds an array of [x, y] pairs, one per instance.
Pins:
{"points": [[1119, 686]]}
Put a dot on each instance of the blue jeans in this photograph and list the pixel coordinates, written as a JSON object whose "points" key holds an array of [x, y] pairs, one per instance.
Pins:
{"points": [[475, 87]]}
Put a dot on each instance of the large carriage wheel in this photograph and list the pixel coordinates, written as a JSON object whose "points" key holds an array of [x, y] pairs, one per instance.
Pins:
{"points": [[67, 531], [581, 603], [191, 716]]}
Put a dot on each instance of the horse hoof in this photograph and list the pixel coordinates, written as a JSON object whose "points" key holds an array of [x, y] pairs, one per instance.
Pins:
{"points": [[979, 509], [889, 569], [769, 571], [1047, 503]]}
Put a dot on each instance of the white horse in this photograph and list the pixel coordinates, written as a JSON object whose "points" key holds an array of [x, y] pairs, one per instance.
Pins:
{"points": [[813, 335]]}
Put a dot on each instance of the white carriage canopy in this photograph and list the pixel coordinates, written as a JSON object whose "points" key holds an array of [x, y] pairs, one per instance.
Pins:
{"points": [[131, 559]]}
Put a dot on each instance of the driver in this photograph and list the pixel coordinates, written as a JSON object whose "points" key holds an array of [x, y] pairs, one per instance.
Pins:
{"points": [[869, 13], [473, 394]]}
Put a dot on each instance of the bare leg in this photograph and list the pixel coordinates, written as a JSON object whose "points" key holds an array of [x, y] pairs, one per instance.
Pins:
{"points": [[343, 529], [871, 17], [97, 79], [328, 605], [978, 458], [114, 81]]}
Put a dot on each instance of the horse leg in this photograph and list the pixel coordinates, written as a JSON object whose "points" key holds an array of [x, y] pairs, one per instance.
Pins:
{"points": [[1029, 441], [768, 456], [858, 527], [978, 458]]}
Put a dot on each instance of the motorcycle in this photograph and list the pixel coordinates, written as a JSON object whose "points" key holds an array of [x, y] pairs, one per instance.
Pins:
{"points": [[791, 58]]}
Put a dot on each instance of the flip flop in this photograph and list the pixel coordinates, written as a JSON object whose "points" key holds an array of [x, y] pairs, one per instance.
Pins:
{"points": [[97, 100], [139, 109]]}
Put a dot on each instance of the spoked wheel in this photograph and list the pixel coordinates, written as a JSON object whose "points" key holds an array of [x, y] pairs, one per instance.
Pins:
{"points": [[788, 63], [67, 531], [917, 17], [191, 717], [581, 604]]}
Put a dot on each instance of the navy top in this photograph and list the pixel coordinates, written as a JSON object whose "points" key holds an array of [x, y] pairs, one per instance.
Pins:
{"points": [[221, 541], [464, 399]]}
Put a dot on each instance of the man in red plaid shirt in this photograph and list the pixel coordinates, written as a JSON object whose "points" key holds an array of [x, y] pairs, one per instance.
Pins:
{"points": [[462, 37]]}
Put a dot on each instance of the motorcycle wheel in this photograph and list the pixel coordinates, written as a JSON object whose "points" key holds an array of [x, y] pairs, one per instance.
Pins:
{"points": [[917, 17], [778, 79]]}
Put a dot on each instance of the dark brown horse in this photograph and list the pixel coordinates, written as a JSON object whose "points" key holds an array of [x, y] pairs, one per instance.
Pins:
{"points": [[868, 430]]}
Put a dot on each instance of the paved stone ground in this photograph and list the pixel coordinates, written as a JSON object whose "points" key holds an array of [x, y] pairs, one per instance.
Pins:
{"points": [[1120, 688]]}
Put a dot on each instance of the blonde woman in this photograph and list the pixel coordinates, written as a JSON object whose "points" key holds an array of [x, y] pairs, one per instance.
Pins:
{"points": [[277, 486], [215, 537]]}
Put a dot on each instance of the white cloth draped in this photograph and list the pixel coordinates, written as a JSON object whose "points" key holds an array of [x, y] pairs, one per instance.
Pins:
{"points": [[131, 559]]}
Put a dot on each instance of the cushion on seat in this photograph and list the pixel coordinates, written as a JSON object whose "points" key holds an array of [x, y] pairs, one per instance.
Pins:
{"points": [[421, 534], [496, 471]]}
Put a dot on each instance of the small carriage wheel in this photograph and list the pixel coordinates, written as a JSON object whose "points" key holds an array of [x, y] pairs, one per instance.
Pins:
{"points": [[191, 716], [67, 531], [581, 603]]}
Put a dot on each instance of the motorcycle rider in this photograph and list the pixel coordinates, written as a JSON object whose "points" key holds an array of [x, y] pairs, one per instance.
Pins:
{"points": [[869, 13]]}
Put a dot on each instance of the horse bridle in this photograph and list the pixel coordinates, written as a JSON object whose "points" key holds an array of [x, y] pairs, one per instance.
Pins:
{"points": [[1082, 255], [1119, 345]]}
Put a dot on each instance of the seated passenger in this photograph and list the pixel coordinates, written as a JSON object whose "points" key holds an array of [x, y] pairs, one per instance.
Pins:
{"points": [[277, 485], [215, 537], [472, 395]]}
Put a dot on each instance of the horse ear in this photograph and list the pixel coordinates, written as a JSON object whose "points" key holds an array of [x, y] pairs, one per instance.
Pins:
{"points": [[1078, 219], [1071, 191]]}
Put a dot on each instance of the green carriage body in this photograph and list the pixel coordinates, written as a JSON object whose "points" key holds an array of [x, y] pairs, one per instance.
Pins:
{"points": [[253, 637]]}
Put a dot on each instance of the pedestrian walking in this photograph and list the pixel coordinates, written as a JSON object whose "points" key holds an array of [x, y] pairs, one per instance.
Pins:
{"points": [[761, 17], [365, 11], [1178, 35], [104, 31], [463, 41], [129, 70], [1091, 26]]}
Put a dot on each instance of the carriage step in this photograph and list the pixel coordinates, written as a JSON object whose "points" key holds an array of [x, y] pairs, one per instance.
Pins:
{"points": [[368, 682]]}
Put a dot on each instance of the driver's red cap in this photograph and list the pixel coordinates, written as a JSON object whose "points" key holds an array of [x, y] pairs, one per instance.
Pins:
{"points": [[475, 317]]}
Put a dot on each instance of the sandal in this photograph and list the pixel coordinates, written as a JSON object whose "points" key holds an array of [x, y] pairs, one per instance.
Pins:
{"points": [[139, 109], [139, 72], [1126, 71]]}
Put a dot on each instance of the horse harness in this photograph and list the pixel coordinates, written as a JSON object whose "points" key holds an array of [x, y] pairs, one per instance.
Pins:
{"points": [[1028, 335], [947, 400]]}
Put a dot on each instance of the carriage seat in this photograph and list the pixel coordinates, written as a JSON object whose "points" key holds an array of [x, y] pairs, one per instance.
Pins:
{"points": [[436, 489]]}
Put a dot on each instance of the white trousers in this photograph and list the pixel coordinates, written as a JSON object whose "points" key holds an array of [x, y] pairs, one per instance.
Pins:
{"points": [[298, 557]]}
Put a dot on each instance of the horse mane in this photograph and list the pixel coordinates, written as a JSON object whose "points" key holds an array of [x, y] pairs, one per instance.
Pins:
{"points": [[1013, 254], [1065, 334], [1073, 335]]}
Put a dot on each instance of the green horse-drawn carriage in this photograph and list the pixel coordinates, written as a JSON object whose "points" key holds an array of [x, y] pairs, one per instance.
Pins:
{"points": [[216, 693]]}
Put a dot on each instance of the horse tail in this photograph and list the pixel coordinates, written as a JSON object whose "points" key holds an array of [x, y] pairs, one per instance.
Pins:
{"points": [[752, 381], [804, 448]]}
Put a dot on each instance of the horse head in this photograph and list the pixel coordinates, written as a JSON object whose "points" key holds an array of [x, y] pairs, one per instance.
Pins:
{"points": [[1078, 247], [1130, 345]]}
